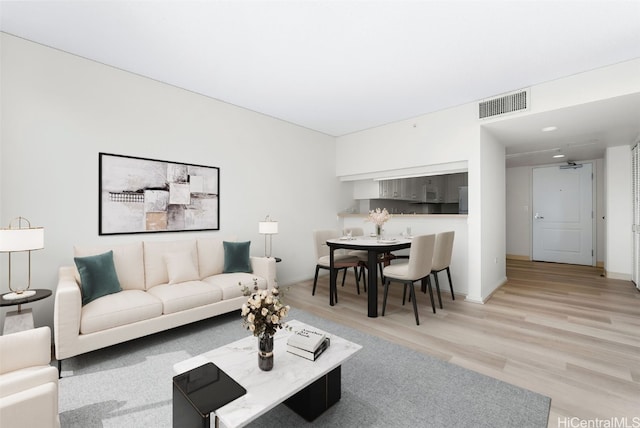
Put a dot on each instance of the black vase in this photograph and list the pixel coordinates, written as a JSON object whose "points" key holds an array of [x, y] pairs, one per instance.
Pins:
{"points": [[265, 352]]}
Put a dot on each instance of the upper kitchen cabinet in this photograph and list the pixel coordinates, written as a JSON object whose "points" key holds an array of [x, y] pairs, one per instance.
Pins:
{"points": [[453, 183], [367, 189], [403, 189], [414, 189], [434, 188]]}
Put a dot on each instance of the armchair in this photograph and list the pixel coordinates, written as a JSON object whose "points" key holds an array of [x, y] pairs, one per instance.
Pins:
{"points": [[28, 384]]}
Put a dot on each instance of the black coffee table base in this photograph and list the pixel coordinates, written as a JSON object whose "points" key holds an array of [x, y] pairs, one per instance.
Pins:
{"points": [[312, 401]]}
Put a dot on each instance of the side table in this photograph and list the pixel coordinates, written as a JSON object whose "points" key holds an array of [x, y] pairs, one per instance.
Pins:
{"points": [[22, 319], [199, 392]]}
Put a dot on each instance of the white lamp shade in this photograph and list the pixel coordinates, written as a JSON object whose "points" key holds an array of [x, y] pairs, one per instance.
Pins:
{"points": [[268, 227], [25, 239]]}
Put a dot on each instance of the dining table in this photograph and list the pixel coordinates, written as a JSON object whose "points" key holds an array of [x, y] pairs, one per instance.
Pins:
{"points": [[374, 247]]}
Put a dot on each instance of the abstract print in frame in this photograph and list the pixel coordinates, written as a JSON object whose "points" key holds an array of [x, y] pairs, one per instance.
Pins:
{"points": [[139, 195]]}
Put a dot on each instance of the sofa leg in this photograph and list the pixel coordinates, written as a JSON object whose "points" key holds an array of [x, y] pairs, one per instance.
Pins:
{"points": [[59, 369]]}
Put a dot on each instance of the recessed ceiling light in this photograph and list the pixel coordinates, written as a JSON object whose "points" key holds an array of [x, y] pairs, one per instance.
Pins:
{"points": [[549, 128], [558, 156]]}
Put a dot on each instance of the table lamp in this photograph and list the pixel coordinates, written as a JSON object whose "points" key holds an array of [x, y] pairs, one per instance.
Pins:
{"points": [[267, 228], [17, 239]]}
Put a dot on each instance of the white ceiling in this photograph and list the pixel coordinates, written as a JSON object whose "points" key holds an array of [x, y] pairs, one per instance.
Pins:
{"points": [[342, 66]]}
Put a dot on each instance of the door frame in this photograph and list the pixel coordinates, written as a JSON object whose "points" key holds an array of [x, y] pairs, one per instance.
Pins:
{"points": [[594, 236]]}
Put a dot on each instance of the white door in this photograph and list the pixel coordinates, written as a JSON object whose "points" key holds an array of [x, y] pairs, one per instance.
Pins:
{"points": [[563, 215]]}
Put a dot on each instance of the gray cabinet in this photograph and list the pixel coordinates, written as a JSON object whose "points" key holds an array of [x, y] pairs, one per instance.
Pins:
{"points": [[413, 190], [434, 188], [454, 182]]}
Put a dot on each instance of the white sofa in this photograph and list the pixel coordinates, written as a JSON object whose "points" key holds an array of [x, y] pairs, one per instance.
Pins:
{"points": [[158, 293], [28, 384]]}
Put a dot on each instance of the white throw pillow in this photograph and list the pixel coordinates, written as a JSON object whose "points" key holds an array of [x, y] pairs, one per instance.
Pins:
{"points": [[180, 267]]}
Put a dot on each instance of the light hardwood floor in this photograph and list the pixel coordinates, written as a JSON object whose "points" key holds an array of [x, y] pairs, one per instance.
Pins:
{"points": [[560, 330]]}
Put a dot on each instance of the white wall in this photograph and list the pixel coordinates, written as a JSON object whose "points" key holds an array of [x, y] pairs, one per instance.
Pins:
{"points": [[493, 231], [438, 138], [518, 211], [619, 213], [59, 111]]}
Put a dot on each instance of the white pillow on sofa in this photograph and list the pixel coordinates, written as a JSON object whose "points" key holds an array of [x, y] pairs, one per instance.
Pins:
{"points": [[180, 267]]}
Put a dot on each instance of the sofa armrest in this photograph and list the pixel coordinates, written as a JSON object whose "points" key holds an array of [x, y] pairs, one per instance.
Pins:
{"points": [[34, 407], [265, 268], [66, 313], [25, 349]]}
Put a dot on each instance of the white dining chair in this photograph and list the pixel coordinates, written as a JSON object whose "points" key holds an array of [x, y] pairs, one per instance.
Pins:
{"points": [[416, 268], [341, 260], [442, 260]]}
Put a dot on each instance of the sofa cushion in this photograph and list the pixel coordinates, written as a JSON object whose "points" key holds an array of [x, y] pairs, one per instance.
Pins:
{"points": [[128, 260], [186, 295], [231, 284], [211, 256], [155, 266], [97, 276], [119, 309], [180, 267], [236, 257]]}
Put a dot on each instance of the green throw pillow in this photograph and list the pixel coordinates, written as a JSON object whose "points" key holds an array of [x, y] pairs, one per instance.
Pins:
{"points": [[97, 276], [236, 257]]}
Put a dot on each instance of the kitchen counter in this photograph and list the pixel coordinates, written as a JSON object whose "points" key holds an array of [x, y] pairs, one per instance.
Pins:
{"points": [[356, 215]]}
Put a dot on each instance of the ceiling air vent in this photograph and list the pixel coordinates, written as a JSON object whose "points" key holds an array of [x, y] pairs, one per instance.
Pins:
{"points": [[513, 102]]}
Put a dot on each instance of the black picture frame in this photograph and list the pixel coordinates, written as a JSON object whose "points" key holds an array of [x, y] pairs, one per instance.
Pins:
{"points": [[140, 195]]}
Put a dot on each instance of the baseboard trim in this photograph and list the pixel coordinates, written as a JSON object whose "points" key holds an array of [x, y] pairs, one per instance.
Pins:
{"points": [[483, 300], [617, 275], [518, 257]]}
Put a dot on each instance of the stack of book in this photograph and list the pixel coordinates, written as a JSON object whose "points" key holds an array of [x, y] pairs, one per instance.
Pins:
{"points": [[308, 343]]}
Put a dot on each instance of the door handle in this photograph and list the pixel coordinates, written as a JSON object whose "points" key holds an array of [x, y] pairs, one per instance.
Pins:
{"points": [[538, 216]]}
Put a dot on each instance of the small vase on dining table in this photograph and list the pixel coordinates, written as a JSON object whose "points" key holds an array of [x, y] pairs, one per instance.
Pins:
{"points": [[265, 352], [378, 231]]}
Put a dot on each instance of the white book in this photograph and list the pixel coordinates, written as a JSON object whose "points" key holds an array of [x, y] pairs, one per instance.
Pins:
{"points": [[308, 354], [307, 339]]}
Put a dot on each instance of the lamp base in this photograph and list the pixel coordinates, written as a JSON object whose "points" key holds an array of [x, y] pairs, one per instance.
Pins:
{"points": [[17, 296]]}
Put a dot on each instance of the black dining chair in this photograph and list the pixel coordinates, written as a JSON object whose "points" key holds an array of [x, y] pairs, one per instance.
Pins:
{"points": [[341, 260]]}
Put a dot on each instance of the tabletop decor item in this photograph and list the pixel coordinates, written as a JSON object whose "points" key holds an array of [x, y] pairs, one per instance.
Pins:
{"points": [[268, 228], [378, 217], [263, 315], [20, 237]]}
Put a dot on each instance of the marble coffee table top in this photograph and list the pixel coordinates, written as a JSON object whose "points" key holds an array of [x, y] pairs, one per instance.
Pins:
{"points": [[265, 390]]}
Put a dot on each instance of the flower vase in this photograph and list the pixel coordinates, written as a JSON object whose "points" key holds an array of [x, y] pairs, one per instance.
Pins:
{"points": [[265, 352], [378, 231]]}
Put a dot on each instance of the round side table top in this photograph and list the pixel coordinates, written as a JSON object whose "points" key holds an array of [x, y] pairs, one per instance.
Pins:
{"points": [[40, 294]]}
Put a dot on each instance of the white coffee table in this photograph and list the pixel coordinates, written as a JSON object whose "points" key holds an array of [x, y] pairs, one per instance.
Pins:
{"points": [[292, 378]]}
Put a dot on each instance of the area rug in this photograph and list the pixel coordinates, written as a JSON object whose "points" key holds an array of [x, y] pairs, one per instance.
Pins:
{"points": [[383, 385]]}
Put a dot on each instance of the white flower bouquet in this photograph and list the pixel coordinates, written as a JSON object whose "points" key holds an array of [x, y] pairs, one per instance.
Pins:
{"points": [[378, 216], [263, 314]]}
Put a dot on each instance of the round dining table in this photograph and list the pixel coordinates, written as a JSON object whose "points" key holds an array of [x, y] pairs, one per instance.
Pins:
{"points": [[374, 247]]}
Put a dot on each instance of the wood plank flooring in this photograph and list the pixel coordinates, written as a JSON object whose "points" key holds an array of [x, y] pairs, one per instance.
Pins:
{"points": [[560, 330]]}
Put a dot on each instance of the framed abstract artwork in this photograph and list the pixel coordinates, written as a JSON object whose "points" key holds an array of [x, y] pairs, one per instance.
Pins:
{"points": [[139, 195]]}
